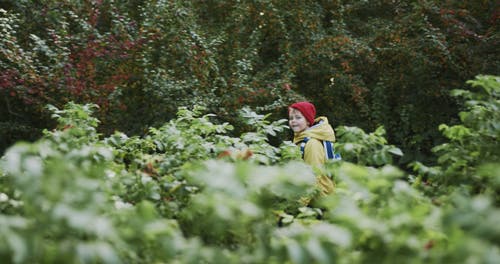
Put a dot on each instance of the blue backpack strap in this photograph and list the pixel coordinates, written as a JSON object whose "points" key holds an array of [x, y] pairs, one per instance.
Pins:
{"points": [[303, 145], [330, 151]]}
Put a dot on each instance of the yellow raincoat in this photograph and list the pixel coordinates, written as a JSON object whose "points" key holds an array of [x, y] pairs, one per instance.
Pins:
{"points": [[314, 152]]}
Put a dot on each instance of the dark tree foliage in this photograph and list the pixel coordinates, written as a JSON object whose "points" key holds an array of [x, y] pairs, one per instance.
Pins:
{"points": [[363, 63]]}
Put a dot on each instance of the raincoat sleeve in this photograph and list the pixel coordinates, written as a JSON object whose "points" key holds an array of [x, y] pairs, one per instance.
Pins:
{"points": [[314, 155]]}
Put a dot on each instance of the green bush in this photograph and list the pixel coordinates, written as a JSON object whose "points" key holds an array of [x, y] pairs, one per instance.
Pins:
{"points": [[470, 157], [188, 192]]}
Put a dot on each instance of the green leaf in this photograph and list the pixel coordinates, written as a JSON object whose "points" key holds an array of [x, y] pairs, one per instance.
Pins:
{"points": [[395, 151]]}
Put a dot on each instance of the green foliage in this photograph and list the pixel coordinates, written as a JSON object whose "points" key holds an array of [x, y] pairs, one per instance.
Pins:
{"points": [[237, 201], [188, 192], [363, 63], [365, 149], [473, 151], [373, 63], [51, 214], [182, 185], [77, 122]]}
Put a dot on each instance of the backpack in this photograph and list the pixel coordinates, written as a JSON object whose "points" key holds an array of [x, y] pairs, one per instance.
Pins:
{"points": [[329, 149]]}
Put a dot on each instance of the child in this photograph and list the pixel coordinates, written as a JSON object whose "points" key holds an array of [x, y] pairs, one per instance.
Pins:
{"points": [[304, 124]]}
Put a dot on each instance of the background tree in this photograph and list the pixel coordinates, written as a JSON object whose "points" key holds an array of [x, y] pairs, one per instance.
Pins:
{"points": [[363, 63]]}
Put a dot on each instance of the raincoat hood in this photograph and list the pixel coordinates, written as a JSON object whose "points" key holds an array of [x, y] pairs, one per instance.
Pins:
{"points": [[321, 130]]}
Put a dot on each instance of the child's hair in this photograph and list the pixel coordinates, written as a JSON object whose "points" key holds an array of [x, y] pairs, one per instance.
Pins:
{"points": [[307, 109]]}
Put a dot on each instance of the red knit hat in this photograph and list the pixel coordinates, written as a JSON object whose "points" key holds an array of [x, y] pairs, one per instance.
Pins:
{"points": [[307, 109]]}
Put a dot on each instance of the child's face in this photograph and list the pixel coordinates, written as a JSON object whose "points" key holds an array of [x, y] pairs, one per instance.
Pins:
{"points": [[297, 121]]}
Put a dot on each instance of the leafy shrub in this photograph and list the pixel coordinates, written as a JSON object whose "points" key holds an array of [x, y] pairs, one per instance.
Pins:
{"points": [[77, 196], [472, 153], [366, 149]]}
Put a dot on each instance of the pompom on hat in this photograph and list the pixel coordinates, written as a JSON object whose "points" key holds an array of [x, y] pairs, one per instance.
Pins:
{"points": [[307, 109]]}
